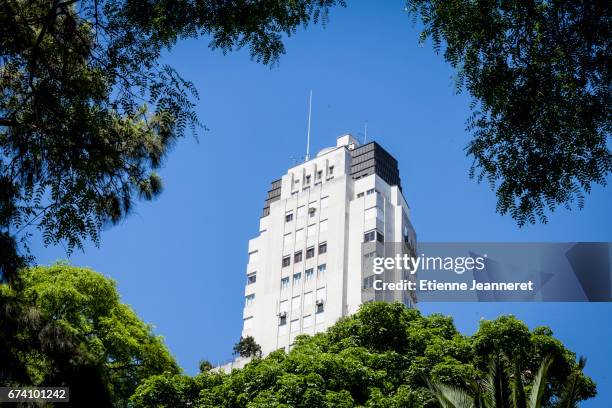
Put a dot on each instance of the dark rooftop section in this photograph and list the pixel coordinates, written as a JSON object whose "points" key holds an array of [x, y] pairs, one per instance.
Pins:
{"points": [[273, 195], [368, 159], [371, 158]]}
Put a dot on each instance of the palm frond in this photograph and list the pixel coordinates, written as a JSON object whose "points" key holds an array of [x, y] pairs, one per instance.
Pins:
{"points": [[450, 396], [518, 390], [497, 383], [569, 394], [539, 384]]}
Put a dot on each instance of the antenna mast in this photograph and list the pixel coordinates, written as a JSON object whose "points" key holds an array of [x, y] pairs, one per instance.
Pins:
{"points": [[365, 132], [309, 115]]}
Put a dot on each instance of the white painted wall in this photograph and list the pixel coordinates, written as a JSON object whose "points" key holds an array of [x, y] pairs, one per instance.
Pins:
{"points": [[318, 191]]}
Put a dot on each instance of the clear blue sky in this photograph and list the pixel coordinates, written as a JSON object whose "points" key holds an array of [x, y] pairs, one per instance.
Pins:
{"points": [[180, 261]]}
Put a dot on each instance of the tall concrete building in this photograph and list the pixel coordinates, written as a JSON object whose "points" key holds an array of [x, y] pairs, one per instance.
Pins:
{"points": [[322, 221]]}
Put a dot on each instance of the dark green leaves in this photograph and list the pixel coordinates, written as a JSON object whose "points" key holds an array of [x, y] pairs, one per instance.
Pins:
{"points": [[353, 364], [540, 75], [87, 112]]}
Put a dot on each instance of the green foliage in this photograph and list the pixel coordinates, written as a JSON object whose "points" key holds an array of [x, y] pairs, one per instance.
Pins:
{"points": [[381, 357], [82, 309], [504, 388], [205, 366], [88, 113], [247, 347], [166, 391], [539, 74]]}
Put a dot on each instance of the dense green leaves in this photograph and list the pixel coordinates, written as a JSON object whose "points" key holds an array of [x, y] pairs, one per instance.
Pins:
{"points": [[247, 347], [87, 112], [380, 357], [539, 73], [71, 320]]}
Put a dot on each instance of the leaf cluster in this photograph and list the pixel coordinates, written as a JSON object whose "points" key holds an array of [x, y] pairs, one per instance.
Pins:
{"points": [[540, 76], [87, 110], [66, 326], [380, 357]]}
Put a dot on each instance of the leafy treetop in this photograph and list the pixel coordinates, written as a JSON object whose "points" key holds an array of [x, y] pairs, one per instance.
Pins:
{"points": [[380, 357], [539, 73], [88, 112]]}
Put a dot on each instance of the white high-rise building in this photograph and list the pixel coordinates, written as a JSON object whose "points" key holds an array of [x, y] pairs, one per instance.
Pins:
{"points": [[305, 268]]}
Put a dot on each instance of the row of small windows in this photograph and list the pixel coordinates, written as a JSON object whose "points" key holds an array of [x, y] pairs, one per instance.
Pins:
{"points": [[297, 280], [319, 308], [312, 211], [368, 192], [310, 253], [299, 234], [306, 321], [318, 177], [373, 235], [308, 275]]}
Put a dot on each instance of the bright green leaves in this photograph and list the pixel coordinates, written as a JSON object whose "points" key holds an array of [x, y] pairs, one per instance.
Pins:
{"points": [[84, 312], [353, 364]]}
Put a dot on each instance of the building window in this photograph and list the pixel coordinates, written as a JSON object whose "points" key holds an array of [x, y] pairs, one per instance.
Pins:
{"points": [[295, 304], [319, 174], [312, 212], [370, 191], [286, 261], [370, 213], [368, 282], [295, 325], [289, 217], [331, 170], [322, 248], [296, 181], [320, 307], [312, 230], [321, 270], [324, 202], [253, 256], [287, 241], [323, 226], [299, 235], [307, 180], [380, 237], [297, 278], [282, 320], [297, 257], [301, 211], [307, 322], [248, 323], [284, 283], [251, 278], [369, 236], [248, 300], [308, 274], [310, 253], [359, 195]]}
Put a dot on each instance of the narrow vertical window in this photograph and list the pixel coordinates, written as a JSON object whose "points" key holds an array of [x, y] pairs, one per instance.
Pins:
{"points": [[251, 278], [310, 252], [286, 261]]}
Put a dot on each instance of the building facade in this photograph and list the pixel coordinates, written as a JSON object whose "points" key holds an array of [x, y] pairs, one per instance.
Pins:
{"points": [[321, 223]]}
